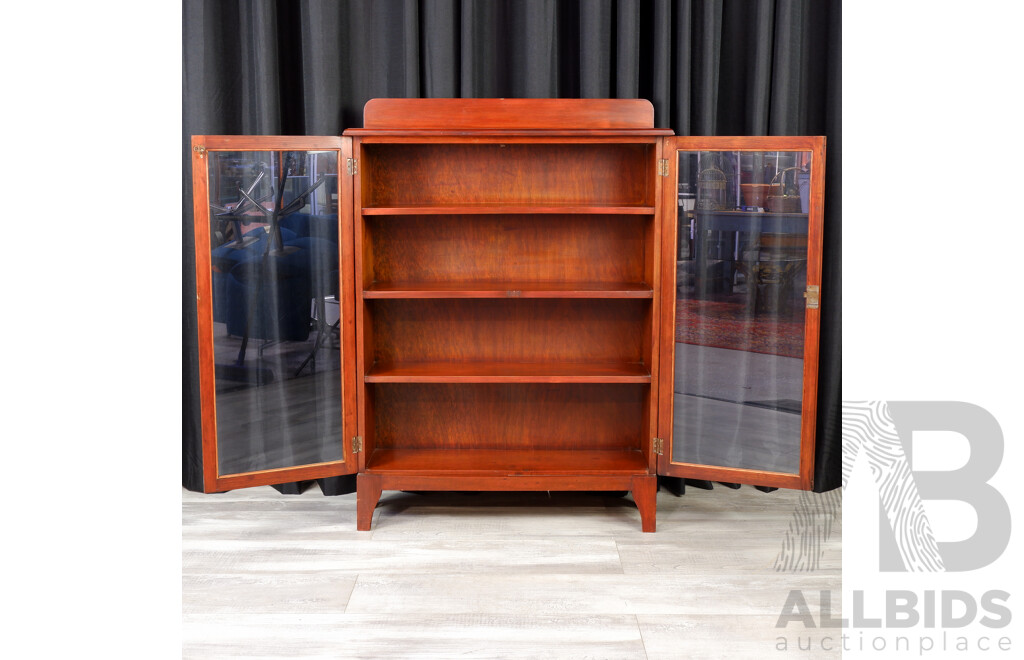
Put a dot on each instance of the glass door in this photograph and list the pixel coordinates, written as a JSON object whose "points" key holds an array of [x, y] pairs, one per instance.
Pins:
{"points": [[273, 230], [742, 263]]}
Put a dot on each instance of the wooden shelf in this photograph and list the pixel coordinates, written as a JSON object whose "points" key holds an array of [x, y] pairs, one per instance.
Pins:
{"points": [[508, 248], [507, 462], [509, 372], [494, 209], [509, 289]]}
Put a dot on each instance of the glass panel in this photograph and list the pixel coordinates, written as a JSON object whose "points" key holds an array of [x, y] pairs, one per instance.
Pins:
{"points": [[277, 348], [741, 270]]}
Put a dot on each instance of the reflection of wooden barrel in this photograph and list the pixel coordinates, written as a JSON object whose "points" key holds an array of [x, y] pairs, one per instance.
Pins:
{"points": [[754, 194]]}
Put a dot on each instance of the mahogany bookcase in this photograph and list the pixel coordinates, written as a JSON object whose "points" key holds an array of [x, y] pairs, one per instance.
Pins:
{"points": [[508, 287]]}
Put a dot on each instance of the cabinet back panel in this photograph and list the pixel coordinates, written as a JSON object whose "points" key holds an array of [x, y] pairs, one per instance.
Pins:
{"points": [[523, 330], [500, 416], [447, 174], [527, 248]]}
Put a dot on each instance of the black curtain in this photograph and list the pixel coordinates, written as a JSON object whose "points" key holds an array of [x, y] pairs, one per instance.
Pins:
{"points": [[710, 67]]}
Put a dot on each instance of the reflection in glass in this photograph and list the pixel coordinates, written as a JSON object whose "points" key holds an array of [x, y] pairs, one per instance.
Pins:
{"points": [[277, 348], [741, 274]]}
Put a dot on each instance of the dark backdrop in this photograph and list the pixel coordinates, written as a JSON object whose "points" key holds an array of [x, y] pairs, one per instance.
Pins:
{"points": [[710, 67]]}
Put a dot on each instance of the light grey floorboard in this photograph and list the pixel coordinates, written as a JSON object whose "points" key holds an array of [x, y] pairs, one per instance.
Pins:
{"points": [[427, 636], [711, 637], [590, 594], [493, 575], [280, 593]]}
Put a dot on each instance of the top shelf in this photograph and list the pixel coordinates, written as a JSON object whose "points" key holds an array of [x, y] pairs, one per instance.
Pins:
{"points": [[494, 209]]}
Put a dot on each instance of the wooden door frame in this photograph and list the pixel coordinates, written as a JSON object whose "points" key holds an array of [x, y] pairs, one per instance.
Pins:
{"points": [[804, 479], [201, 146]]}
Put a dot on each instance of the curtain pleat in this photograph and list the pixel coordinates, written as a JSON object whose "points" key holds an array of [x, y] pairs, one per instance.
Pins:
{"points": [[661, 63], [682, 78], [595, 58], [710, 67], [627, 49], [260, 100], [322, 52], [440, 57]]}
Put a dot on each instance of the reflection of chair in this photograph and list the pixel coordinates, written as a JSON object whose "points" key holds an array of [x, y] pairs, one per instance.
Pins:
{"points": [[272, 278], [226, 257], [313, 226], [269, 298]]}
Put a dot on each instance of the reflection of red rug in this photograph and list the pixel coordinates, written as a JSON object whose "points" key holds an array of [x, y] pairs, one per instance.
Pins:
{"points": [[729, 325]]}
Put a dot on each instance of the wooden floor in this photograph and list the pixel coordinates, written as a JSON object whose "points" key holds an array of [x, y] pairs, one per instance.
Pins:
{"points": [[498, 575]]}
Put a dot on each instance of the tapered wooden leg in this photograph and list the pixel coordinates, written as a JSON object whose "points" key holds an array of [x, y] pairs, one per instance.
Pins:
{"points": [[367, 495], [645, 494]]}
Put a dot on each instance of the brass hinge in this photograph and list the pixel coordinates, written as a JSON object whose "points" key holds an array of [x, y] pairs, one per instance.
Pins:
{"points": [[663, 167], [352, 166], [357, 444], [199, 149], [813, 295], [659, 446]]}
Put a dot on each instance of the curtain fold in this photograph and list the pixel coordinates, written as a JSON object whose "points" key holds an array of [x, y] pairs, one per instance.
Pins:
{"points": [[441, 56], [710, 67], [627, 50]]}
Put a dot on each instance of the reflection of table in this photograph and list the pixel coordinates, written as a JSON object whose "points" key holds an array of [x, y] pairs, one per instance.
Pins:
{"points": [[780, 271], [753, 222]]}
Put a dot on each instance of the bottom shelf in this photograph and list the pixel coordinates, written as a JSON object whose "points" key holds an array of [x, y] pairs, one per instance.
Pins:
{"points": [[510, 462]]}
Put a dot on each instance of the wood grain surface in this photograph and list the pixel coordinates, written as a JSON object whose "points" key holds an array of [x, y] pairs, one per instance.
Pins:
{"points": [[513, 416], [508, 113], [529, 330], [501, 248], [538, 174]]}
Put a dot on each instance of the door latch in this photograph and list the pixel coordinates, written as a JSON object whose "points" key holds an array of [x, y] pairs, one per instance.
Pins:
{"points": [[813, 295]]}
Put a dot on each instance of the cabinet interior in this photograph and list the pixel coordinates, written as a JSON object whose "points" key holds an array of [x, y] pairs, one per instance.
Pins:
{"points": [[507, 303]]}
